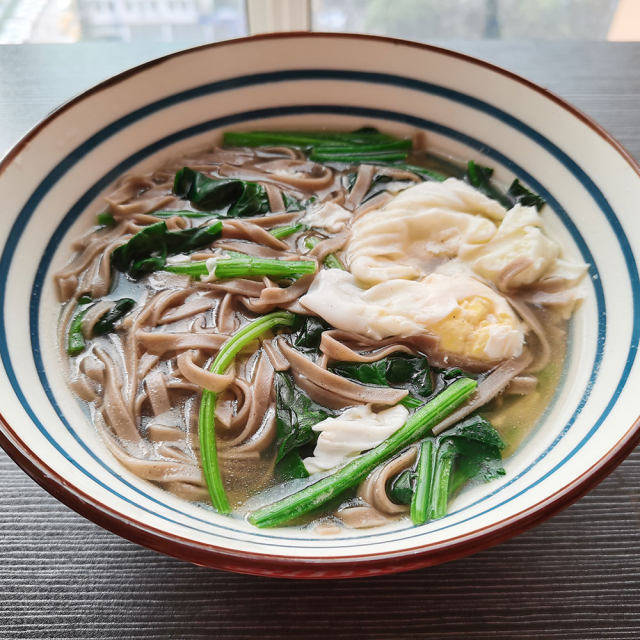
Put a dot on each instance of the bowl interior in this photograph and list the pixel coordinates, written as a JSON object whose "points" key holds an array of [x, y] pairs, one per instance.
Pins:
{"points": [[53, 184]]}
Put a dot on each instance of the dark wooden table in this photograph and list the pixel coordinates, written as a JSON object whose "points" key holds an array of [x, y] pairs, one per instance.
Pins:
{"points": [[575, 577]]}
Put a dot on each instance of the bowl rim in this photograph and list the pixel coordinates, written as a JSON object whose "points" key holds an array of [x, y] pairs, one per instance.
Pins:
{"points": [[308, 566]]}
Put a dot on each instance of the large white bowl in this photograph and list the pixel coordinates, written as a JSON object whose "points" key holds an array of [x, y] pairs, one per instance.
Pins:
{"points": [[50, 184]]}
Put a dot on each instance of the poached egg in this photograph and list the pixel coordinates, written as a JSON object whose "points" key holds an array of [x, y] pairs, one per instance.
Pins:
{"points": [[469, 319]]}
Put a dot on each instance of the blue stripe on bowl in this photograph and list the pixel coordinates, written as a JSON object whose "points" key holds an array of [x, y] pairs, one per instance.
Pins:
{"points": [[72, 158]]}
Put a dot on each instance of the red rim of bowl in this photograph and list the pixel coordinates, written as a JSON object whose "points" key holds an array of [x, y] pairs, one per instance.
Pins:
{"points": [[308, 566]]}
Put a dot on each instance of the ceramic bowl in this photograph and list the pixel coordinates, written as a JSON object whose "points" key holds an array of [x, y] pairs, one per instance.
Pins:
{"points": [[50, 184]]}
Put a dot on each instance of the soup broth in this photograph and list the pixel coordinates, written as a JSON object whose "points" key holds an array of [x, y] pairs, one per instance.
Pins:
{"points": [[302, 325]]}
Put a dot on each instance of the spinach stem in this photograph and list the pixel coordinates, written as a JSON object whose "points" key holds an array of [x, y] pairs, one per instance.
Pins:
{"points": [[245, 267], [321, 492], [311, 139], [185, 213], [440, 485], [422, 490], [411, 402], [206, 423], [356, 158], [286, 231], [331, 261], [75, 338]]}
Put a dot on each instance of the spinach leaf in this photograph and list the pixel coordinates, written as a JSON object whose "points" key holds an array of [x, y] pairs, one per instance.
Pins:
{"points": [[525, 196], [478, 175], [400, 488], [107, 322], [227, 197], [291, 467], [296, 413], [148, 249], [252, 202], [400, 370], [308, 333], [479, 449], [480, 178]]}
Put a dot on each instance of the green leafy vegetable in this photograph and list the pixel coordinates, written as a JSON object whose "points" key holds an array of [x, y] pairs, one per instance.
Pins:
{"points": [[185, 213], [439, 490], [227, 197], [206, 420], [374, 147], [290, 467], [289, 230], [400, 488], [331, 486], [399, 370], [310, 139], [525, 196], [245, 267], [296, 414], [308, 333], [116, 313], [331, 261], [470, 450], [76, 343], [75, 338], [424, 474], [148, 249], [479, 447], [364, 145], [382, 154], [106, 219], [480, 178]]}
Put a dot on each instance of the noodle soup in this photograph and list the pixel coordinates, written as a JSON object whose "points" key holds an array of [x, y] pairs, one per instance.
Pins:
{"points": [[298, 325]]}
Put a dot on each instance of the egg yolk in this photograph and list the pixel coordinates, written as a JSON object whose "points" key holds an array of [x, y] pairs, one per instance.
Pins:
{"points": [[472, 327]]}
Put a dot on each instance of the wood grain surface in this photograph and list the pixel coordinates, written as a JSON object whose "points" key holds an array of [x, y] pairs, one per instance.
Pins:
{"points": [[575, 577]]}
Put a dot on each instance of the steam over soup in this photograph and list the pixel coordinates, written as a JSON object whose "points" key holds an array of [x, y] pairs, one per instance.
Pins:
{"points": [[298, 326]]}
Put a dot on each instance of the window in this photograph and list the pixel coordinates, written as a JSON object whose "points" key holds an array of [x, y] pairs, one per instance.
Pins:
{"points": [[196, 21], [474, 19]]}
